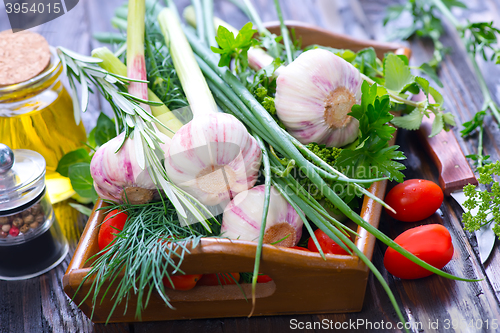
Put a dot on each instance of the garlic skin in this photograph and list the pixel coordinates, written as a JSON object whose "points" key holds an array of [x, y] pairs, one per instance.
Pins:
{"points": [[314, 94], [243, 216], [118, 177], [213, 158]]}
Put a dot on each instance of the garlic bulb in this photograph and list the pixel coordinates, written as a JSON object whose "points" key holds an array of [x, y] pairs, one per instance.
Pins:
{"points": [[243, 216], [314, 95], [117, 176], [213, 158]]}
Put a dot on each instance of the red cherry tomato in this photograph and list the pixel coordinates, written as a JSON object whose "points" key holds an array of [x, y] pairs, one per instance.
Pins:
{"points": [[326, 243], [263, 278], [431, 243], [300, 248], [182, 282], [219, 279], [112, 225], [414, 200]]}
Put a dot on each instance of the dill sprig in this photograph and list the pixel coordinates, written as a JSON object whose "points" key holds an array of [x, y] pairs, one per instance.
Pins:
{"points": [[151, 246], [483, 206]]}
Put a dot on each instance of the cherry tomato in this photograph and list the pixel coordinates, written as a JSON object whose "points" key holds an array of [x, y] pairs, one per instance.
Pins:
{"points": [[263, 278], [414, 200], [326, 243], [431, 243], [300, 248], [112, 225], [182, 282], [219, 279]]}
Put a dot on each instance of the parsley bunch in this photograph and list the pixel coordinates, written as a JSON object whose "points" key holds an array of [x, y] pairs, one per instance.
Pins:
{"points": [[373, 157], [485, 202]]}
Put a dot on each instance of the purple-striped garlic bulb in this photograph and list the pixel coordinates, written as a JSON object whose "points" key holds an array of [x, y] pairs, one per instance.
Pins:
{"points": [[314, 95], [213, 158], [117, 175], [242, 218]]}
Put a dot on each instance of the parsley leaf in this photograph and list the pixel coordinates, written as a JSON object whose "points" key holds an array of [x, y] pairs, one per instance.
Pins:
{"points": [[237, 48], [373, 157]]}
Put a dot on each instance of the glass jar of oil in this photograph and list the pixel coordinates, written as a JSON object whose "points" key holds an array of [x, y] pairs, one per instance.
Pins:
{"points": [[38, 115]]}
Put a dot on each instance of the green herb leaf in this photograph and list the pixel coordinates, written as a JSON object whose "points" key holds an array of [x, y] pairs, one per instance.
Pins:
{"points": [[81, 180], [81, 208], [449, 119], [438, 98], [105, 130], [424, 84], [375, 159], [431, 72], [372, 157], [373, 114], [366, 62], [397, 73], [480, 204], [71, 158], [410, 121], [437, 125], [231, 47]]}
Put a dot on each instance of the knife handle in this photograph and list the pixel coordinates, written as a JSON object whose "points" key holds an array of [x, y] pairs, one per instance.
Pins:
{"points": [[445, 152]]}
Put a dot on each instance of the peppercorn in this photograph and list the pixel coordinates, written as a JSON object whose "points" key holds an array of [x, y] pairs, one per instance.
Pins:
{"points": [[4, 220], [34, 225], [3, 234], [18, 222], [35, 209], [29, 219], [6, 227], [40, 218], [25, 228]]}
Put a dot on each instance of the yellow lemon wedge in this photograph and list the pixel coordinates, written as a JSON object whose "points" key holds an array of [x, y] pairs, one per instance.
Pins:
{"points": [[58, 187]]}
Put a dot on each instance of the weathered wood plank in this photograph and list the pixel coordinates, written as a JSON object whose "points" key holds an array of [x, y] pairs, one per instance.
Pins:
{"points": [[46, 309]]}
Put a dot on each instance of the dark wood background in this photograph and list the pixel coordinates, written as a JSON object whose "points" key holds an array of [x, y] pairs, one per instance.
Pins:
{"points": [[40, 304]]}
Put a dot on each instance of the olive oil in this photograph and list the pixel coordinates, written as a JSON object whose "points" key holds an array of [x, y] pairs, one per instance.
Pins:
{"points": [[38, 115], [43, 123]]}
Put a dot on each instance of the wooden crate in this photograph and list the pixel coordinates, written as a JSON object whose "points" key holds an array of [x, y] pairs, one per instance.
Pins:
{"points": [[302, 282]]}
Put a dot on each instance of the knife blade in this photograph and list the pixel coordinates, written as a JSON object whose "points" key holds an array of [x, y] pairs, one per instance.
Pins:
{"points": [[454, 174]]}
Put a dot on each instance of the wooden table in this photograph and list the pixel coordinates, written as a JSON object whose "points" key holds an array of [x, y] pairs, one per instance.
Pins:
{"points": [[40, 304]]}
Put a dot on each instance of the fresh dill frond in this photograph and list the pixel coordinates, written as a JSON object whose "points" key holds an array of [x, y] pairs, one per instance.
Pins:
{"points": [[487, 202], [152, 245]]}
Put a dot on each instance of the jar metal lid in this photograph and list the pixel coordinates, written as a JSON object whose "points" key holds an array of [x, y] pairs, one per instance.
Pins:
{"points": [[23, 183]]}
